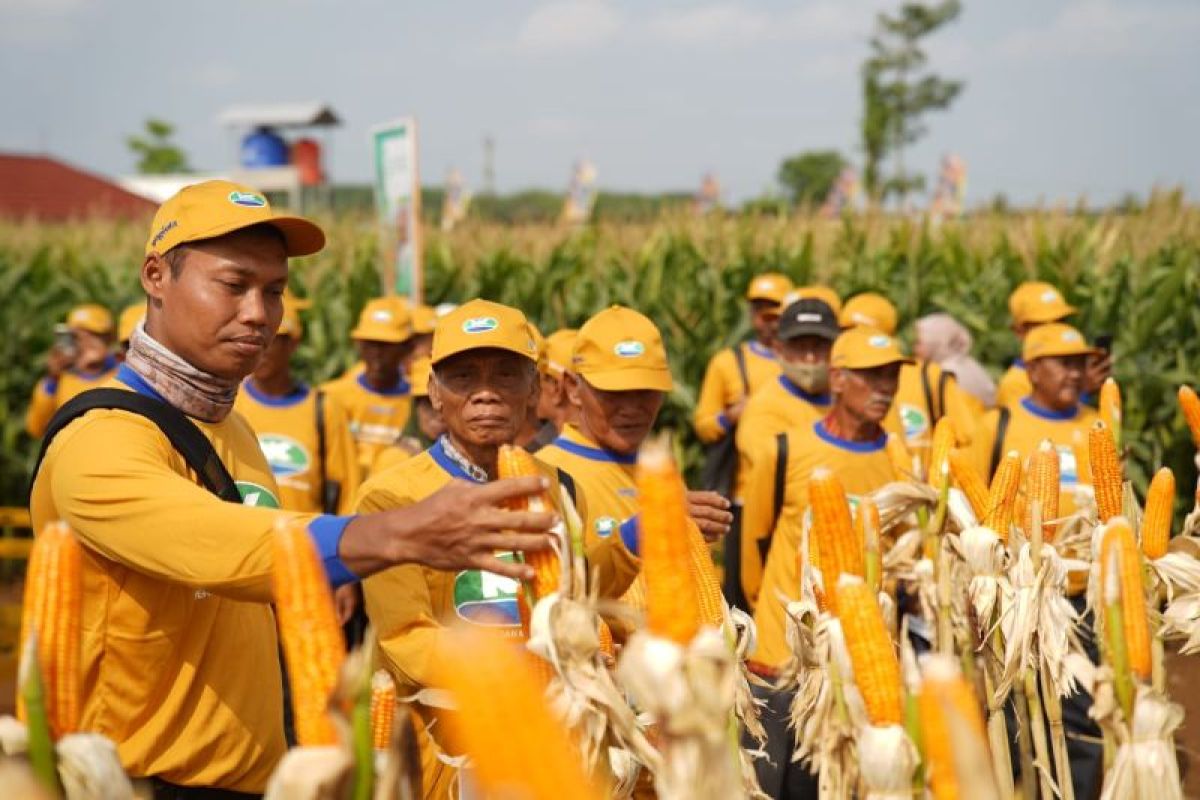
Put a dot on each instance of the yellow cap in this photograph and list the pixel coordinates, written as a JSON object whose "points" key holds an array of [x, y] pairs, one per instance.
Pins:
{"points": [[559, 347], [383, 320], [298, 303], [129, 320], [1055, 339], [215, 208], [620, 350], [823, 293], [480, 324], [864, 348], [90, 317], [418, 377], [424, 319], [769, 286], [869, 309], [1041, 305], [290, 324]]}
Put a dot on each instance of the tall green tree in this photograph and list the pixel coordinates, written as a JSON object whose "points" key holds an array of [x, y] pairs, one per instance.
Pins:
{"points": [[807, 177], [156, 153], [898, 92]]}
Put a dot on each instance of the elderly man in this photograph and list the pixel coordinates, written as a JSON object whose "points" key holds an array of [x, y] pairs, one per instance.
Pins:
{"points": [[180, 656], [82, 360]]}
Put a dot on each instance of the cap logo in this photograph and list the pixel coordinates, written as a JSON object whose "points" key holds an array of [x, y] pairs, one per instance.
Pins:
{"points": [[879, 341], [862, 319], [480, 325], [247, 199], [1050, 296], [808, 317], [381, 315], [163, 231], [1070, 336], [629, 349]]}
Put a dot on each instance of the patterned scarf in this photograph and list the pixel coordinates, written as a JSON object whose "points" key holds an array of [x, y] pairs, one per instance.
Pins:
{"points": [[193, 391]]}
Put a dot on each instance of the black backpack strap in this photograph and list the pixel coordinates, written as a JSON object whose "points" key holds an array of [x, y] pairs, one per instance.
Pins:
{"points": [[943, 380], [780, 486], [739, 355], [928, 390], [998, 444], [567, 482], [183, 434], [331, 491]]}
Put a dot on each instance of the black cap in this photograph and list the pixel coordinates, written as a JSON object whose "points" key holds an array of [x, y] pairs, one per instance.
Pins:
{"points": [[808, 317]]}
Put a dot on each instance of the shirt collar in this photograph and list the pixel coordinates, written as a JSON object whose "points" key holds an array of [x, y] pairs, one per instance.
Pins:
{"points": [[812, 399], [107, 366], [293, 397], [573, 441], [1029, 405], [448, 458], [761, 350], [400, 389], [846, 444], [136, 382]]}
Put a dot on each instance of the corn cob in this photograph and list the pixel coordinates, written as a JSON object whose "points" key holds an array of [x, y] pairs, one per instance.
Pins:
{"points": [[1003, 494], [969, 480], [876, 668], [944, 692], [1189, 403], [944, 437], [902, 460], [516, 462], [517, 748], [52, 609], [708, 587], [1110, 408], [866, 525], [1041, 484], [383, 709], [607, 646], [840, 549], [1106, 471], [1119, 550], [672, 598], [313, 646], [1156, 522]]}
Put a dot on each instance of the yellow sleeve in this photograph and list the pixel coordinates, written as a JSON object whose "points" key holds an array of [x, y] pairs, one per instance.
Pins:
{"points": [[341, 454], [709, 418], [982, 444], [113, 484], [42, 406], [781, 576], [757, 515]]}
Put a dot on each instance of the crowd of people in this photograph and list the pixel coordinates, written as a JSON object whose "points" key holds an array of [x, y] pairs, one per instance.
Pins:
{"points": [[393, 467]]}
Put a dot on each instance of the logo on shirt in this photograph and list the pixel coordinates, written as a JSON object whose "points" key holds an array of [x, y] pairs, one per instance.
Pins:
{"points": [[1068, 465], [485, 598], [914, 421], [247, 199], [605, 526], [285, 455], [630, 348], [254, 494], [480, 325]]}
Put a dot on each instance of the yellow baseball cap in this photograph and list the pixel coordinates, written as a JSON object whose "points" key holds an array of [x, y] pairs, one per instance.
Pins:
{"points": [[129, 320], [1036, 302], [869, 309], [383, 320], [418, 377], [813, 292], [864, 348], [290, 324], [620, 350], [424, 319], [480, 324], [1055, 339], [559, 347], [214, 208], [90, 317], [769, 286]]}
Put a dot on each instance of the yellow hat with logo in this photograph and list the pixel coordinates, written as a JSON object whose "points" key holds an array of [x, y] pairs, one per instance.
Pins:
{"points": [[864, 348], [814, 292], [424, 319], [770, 286], [620, 350], [383, 320], [129, 320], [1055, 339], [90, 317], [871, 310], [559, 347], [482, 324], [1036, 303], [418, 377], [215, 208]]}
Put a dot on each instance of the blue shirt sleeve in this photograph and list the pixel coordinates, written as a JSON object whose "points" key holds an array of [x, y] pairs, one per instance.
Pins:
{"points": [[326, 531], [724, 422], [630, 535]]}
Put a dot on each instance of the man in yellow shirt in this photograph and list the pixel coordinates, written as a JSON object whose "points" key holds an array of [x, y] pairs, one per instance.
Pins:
{"points": [[377, 400], [797, 397], [180, 660], [554, 406], [73, 366]]}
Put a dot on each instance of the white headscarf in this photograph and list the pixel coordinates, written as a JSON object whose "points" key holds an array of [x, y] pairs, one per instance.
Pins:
{"points": [[947, 343]]}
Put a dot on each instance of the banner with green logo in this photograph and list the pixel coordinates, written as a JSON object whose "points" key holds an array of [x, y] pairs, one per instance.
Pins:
{"points": [[398, 201]]}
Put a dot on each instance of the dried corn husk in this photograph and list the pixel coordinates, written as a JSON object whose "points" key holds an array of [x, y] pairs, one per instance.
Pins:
{"points": [[88, 765], [888, 760], [1039, 625], [1145, 767]]}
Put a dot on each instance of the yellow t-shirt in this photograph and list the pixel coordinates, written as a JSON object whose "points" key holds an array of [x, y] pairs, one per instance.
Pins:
{"points": [[723, 386], [287, 433], [377, 419], [50, 395], [912, 417], [862, 467], [779, 406], [1014, 385], [180, 658]]}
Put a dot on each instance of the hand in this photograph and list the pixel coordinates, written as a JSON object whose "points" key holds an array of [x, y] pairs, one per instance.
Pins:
{"points": [[1099, 369], [345, 600], [59, 361], [734, 412], [710, 512]]}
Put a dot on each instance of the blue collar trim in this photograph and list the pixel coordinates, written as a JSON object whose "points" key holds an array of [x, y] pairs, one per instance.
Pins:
{"points": [[108, 365], [1019, 362], [136, 382], [846, 444], [438, 452], [822, 400], [1046, 413], [594, 453], [760, 350], [294, 397], [399, 390]]}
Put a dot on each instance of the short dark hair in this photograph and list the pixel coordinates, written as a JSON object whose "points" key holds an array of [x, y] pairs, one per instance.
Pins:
{"points": [[176, 255]]}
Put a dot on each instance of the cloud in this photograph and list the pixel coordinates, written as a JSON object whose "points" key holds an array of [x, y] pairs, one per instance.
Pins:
{"points": [[1106, 29], [568, 25], [734, 24]]}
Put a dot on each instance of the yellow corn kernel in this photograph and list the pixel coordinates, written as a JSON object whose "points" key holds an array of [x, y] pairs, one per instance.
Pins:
{"points": [[672, 600], [840, 549], [1002, 495], [1156, 522], [962, 468], [1106, 471], [876, 668], [516, 462], [943, 692], [607, 646], [944, 437], [902, 460], [1041, 484], [1189, 403], [383, 709], [313, 646], [704, 574], [1110, 407], [1118, 537]]}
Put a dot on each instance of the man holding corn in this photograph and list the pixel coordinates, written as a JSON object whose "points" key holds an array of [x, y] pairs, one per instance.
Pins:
{"points": [[180, 657]]}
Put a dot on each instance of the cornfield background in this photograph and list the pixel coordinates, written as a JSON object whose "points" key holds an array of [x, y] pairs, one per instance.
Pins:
{"points": [[1133, 275]]}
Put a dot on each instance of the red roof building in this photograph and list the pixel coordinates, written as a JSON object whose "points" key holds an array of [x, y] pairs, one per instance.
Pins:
{"points": [[37, 187]]}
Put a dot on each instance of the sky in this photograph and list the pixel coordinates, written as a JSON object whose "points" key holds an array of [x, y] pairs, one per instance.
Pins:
{"points": [[1064, 98]]}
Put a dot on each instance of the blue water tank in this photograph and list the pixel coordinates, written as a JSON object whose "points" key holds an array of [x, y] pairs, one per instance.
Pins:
{"points": [[264, 148]]}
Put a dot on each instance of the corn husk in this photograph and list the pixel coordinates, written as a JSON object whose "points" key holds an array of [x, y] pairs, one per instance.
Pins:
{"points": [[88, 765], [888, 760], [1145, 767]]}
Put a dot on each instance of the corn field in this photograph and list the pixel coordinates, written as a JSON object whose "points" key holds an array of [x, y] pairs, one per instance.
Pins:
{"points": [[1136, 276]]}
